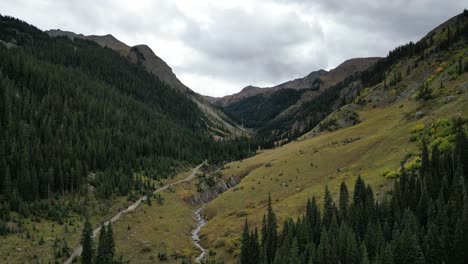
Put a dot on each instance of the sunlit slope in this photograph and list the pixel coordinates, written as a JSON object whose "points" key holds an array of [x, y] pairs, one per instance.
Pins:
{"points": [[376, 145]]}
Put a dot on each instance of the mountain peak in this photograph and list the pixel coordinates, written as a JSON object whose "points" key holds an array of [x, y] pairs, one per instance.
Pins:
{"points": [[250, 88]]}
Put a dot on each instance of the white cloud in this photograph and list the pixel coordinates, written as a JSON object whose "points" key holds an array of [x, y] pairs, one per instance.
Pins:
{"points": [[218, 47]]}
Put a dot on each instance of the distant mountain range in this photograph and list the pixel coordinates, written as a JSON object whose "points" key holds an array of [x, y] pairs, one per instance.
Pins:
{"points": [[320, 80]]}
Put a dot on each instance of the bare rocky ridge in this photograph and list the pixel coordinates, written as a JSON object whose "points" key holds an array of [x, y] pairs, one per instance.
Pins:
{"points": [[316, 80], [219, 123]]}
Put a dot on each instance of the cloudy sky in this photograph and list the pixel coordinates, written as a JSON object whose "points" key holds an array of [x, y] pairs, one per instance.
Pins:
{"points": [[217, 47]]}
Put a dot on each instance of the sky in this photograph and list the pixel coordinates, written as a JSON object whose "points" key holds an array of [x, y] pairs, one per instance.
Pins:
{"points": [[217, 47]]}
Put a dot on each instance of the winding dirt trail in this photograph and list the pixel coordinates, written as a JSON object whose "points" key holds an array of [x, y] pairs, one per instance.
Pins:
{"points": [[78, 249]]}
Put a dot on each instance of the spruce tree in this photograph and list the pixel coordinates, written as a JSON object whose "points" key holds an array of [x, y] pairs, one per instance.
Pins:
{"points": [[344, 199], [87, 243], [270, 242], [324, 251], [101, 256], [110, 244], [327, 208], [255, 248], [245, 247]]}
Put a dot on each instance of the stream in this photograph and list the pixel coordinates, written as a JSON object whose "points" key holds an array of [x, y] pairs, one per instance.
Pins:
{"points": [[79, 248], [195, 237]]}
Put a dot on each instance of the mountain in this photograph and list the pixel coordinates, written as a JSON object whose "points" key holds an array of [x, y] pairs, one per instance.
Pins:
{"points": [[407, 109], [368, 168], [278, 112], [327, 79], [80, 108], [219, 123]]}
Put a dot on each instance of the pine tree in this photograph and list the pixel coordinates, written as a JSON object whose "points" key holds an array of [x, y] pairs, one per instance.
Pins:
{"points": [[110, 244], [327, 208], [270, 234], [344, 199], [87, 243], [255, 248], [359, 196], [294, 253], [101, 256], [324, 251], [245, 247], [364, 255]]}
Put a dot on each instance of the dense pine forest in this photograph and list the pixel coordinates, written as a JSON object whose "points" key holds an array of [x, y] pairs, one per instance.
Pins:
{"points": [[424, 219], [69, 108], [257, 110]]}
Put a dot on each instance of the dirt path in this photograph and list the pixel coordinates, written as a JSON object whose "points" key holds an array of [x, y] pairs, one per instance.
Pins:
{"points": [[78, 249]]}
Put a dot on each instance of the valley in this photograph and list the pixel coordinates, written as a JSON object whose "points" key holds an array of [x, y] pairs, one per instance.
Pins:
{"points": [[97, 134]]}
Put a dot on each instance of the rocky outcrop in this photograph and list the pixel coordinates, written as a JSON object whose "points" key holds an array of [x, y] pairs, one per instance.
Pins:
{"points": [[318, 81], [207, 193]]}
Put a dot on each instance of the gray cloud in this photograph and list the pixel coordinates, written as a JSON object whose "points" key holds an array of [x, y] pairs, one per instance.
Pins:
{"points": [[218, 47], [255, 46]]}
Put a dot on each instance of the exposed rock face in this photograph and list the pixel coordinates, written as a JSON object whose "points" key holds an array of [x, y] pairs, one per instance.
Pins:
{"points": [[347, 68], [143, 54], [58, 32], [244, 93], [316, 80], [345, 116], [207, 193], [302, 83]]}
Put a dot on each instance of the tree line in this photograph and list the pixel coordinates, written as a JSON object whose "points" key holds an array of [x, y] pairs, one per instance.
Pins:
{"points": [[74, 114], [425, 220], [104, 251], [450, 35]]}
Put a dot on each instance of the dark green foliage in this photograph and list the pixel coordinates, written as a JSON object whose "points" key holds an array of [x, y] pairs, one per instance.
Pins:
{"points": [[106, 245], [377, 73], [101, 252], [71, 107], [424, 92], [269, 235], [256, 111], [344, 200], [328, 211], [250, 249], [310, 113], [87, 243], [424, 221]]}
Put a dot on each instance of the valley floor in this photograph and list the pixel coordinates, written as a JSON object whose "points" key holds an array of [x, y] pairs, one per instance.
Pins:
{"points": [[143, 233]]}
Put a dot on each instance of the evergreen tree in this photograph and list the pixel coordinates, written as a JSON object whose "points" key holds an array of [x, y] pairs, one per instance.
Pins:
{"points": [[110, 244], [270, 234], [87, 243], [420, 223], [344, 199], [255, 247], [101, 256], [245, 254], [327, 208], [324, 250]]}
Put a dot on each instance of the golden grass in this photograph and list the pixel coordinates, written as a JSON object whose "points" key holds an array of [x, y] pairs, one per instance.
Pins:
{"points": [[149, 230], [301, 169]]}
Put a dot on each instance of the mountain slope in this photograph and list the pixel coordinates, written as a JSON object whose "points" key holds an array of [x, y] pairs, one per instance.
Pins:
{"points": [[424, 85], [308, 101], [310, 81], [218, 122], [80, 108]]}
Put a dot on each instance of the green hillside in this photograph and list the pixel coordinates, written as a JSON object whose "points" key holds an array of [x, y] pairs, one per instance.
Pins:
{"points": [[88, 135], [416, 90], [83, 131]]}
